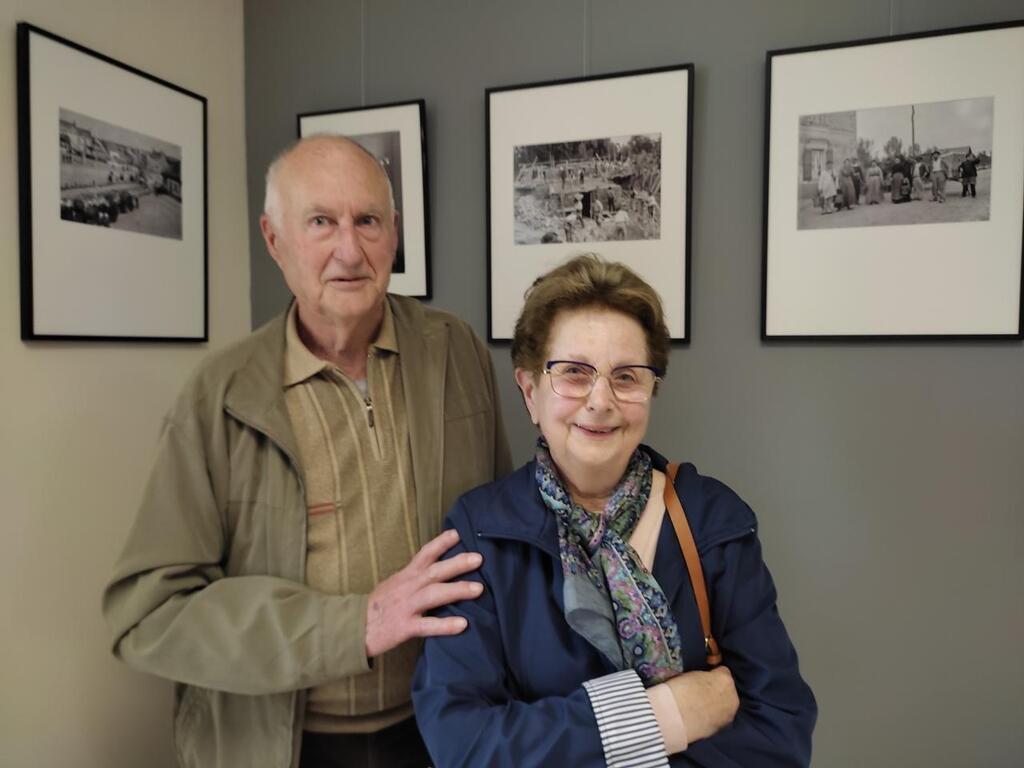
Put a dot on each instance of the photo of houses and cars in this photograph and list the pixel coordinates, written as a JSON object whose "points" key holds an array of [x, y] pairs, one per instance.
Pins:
{"points": [[588, 190], [386, 146], [911, 164], [115, 177]]}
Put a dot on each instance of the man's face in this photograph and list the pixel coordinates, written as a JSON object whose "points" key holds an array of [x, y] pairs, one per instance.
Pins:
{"points": [[332, 233]]}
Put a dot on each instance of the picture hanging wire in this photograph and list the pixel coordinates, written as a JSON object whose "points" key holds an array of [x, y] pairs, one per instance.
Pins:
{"points": [[586, 38], [362, 53]]}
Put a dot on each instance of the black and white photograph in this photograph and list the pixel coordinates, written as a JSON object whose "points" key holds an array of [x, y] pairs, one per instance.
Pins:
{"points": [[588, 190], [386, 147], [894, 188], [599, 164], [114, 177], [395, 134], [112, 186], [863, 165]]}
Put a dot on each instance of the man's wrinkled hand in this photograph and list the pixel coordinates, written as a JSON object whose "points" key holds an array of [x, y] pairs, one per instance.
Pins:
{"points": [[396, 607]]}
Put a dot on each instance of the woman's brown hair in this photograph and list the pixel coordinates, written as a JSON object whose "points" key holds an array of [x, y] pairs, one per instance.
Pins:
{"points": [[587, 281]]}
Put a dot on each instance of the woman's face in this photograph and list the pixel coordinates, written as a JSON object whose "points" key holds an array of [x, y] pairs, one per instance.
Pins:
{"points": [[591, 438]]}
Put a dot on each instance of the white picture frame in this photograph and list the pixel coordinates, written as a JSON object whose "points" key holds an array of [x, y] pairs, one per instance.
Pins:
{"points": [[112, 164], [629, 137], [926, 276], [396, 135]]}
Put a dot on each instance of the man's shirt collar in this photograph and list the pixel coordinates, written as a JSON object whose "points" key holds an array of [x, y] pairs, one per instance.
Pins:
{"points": [[301, 364]]}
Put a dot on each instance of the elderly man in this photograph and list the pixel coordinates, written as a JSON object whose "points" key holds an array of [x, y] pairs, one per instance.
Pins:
{"points": [[273, 570]]}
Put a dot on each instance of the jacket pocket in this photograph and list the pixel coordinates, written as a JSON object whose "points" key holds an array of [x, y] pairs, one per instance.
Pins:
{"points": [[265, 539]]}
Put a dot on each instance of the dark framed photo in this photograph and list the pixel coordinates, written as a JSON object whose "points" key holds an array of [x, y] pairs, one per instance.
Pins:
{"points": [[396, 134], [112, 165], [599, 164], [894, 188]]}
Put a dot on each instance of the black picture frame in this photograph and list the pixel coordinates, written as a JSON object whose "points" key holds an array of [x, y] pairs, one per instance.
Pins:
{"points": [[942, 267], [396, 134], [617, 131], [122, 154]]}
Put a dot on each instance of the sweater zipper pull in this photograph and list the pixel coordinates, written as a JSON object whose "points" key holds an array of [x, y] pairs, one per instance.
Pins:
{"points": [[369, 411]]}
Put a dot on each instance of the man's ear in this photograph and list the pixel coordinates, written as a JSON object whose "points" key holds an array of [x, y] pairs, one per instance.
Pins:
{"points": [[270, 237], [394, 237], [527, 383]]}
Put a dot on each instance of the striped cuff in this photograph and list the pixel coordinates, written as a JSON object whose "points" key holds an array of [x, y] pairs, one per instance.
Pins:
{"points": [[629, 731]]}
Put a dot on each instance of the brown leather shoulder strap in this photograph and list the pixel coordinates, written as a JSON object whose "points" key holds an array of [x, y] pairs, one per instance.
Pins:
{"points": [[692, 558]]}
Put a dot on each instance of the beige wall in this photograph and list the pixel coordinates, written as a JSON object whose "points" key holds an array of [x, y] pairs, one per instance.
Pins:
{"points": [[79, 421]]}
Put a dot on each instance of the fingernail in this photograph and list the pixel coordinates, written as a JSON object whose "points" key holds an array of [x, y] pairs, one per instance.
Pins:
{"points": [[476, 559], [478, 588]]}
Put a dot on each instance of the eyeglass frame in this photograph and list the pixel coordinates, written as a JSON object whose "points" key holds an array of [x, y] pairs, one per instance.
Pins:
{"points": [[598, 375]]}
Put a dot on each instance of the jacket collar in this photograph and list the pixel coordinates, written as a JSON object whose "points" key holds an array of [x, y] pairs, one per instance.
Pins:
{"points": [[255, 394], [423, 343], [522, 514], [525, 518]]}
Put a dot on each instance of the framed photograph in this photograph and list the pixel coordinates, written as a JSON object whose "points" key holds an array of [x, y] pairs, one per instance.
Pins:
{"points": [[396, 134], [894, 188], [594, 164], [112, 165]]}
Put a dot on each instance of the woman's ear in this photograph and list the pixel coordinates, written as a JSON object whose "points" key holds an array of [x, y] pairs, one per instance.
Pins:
{"points": [[527, 383]]}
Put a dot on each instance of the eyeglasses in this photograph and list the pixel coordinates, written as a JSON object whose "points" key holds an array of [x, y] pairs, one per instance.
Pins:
{"points": [[629, 383]]}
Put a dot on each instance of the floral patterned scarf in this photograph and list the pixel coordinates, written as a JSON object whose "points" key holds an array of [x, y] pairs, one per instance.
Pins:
{"points": [[594, 547]]}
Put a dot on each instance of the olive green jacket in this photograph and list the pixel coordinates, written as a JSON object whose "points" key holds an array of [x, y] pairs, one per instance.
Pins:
{"points": [[209, 589]]}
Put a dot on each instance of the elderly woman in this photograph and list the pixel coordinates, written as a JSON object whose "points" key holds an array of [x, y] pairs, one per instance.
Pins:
{"points": [[847, 191], [585, 647], [827, 189], [874, 194]]}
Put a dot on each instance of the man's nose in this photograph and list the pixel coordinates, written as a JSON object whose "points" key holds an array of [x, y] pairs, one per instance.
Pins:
{"points": [[347, 248]]}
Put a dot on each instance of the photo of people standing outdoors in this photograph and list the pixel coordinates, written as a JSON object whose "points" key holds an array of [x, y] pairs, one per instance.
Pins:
{"points": [[588, 190], [911, 164]]}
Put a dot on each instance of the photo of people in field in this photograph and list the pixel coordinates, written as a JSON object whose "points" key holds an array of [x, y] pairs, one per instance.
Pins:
{"points": [[911, 164], [115, 177], [588, 190]]}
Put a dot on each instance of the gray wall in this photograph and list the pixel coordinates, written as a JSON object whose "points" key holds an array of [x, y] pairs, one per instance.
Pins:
{"points": [[887, 477]]}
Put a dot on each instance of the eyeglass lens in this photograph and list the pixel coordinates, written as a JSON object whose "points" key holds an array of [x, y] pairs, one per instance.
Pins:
{"points": [[629, 383]]}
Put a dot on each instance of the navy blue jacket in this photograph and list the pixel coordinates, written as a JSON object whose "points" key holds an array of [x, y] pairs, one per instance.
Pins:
{"points": [[508, 691]]}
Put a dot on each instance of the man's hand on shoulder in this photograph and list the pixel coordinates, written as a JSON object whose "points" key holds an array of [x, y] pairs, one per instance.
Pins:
{"points": [[395, 609]]}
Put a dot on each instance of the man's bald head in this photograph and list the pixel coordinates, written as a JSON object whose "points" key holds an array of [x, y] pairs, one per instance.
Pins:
{"points": [[310, 148], [331, 226]]}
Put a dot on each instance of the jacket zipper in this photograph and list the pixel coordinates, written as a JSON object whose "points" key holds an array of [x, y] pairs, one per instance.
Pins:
{"points": [[371, 423]]}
